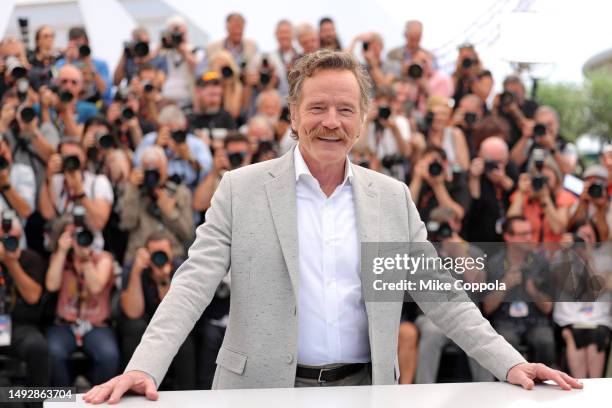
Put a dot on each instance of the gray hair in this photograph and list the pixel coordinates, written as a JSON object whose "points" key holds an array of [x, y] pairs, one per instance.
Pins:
{"points": [[310, 64], [171, 114], [152, 153]]}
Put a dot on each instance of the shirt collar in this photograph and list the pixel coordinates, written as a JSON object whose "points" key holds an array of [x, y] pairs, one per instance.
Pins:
{"points": [[301, 168]]}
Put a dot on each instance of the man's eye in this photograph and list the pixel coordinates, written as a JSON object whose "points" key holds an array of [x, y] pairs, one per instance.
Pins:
{"points": [[346, 110]]}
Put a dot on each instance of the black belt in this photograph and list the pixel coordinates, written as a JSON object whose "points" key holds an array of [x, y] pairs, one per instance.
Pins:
{"points": [[323, 375]]}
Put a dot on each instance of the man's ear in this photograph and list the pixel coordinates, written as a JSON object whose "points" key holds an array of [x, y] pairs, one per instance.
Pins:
{"points": [[293, 117]]}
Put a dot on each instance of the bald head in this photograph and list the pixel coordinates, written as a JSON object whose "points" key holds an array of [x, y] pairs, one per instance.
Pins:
{"points": [[494, 148], [70, 79], [413, 33]]}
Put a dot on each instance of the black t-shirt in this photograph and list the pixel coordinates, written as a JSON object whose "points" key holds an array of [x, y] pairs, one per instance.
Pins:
{"points": [[528, 108], [15, 304], [457, 189], [221, 119]]}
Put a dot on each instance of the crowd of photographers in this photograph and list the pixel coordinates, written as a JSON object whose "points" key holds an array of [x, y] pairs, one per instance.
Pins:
{"points": [[104, 177]]}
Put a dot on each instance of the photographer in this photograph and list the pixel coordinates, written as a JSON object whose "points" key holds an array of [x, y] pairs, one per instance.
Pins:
{"points": [[181, 59], [380, 71], [242, 50], [258, 81], [467, 116], [189, 158], [308, 38], [413, 34], [21, 286], [594, 202], [17, 184], [231, 80], [327, 34], [514, 107], [388, 135], [521, 313], [432, 185], [258, 130], [145, 283], [145, 88], [482, 87], [490, 182], [127, 124], [466, 70], [208, 113], [152, 202], [439, 131], [543, 132], [235, 153], [43, 58], [429, 81], [444, 227], [78, 53], [83, 276], [284, 55], [136, 53], [69, 184], [13, 63], [269, 105], [541, 199], [98, 141]]}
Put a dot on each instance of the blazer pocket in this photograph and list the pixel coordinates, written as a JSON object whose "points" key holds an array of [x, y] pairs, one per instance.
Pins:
{"points": [[231, 360]]}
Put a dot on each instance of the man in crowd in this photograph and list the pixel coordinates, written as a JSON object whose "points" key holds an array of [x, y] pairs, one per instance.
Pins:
{"points": [[413, 34], [327, 34], [308, 38], [17, 184], [594, 202], [242, 49], [208, 112], [136, 53]]}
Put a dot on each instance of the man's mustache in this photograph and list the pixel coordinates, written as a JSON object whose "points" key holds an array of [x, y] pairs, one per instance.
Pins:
{"points": [[324, 132]]}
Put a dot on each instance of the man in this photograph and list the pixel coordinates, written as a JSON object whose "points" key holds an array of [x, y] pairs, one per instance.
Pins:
{"points": [[413, 34], [308, 38], [381, 72], [151, 202], [189, 158], [135, 54], [22, 275], [243, 50], [594, 202], [327, 34], [467, 116], [522, 312], [482, 87], [17, 184], [430, 81], [208, 112], [513, 105], [284, 56], [312, 202]]}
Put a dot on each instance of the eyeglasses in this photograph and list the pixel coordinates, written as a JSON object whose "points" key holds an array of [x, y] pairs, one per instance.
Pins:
{"points": [[66, 80]]}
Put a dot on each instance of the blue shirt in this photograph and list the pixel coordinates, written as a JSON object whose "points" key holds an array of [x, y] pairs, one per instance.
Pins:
{"points": [[177, 166], [84, 111], [102, 69]]}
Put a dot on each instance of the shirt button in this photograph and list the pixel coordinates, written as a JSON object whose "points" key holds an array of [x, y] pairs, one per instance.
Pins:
{"points": [[289, 358]]}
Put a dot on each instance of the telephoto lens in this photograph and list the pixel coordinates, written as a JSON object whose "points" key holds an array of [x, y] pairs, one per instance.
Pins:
{"points": [[384, 112], [84, 51], [83, 236], [127, 113], [415, 71], [539, 129], [435, 168], [159, 258], [227, 72]]}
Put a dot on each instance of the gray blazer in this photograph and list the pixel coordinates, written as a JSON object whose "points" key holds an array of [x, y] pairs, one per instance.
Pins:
{"points": [[252, 227]]}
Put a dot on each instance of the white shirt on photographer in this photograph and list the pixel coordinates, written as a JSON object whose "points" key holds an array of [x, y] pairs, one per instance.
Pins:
{"points": [[385, 144]]}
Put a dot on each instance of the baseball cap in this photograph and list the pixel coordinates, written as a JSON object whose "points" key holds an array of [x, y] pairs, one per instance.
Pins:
{"points": [[209, 78], [596, 170]]}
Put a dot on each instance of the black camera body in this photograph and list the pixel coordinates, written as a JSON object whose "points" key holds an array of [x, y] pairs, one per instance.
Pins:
{"points": [[415, 71], [10, 242], [467, 62], [159, 258], [391, 160], [538, 182], [236, 159], [490, 165], [71, 163], [539, 130], [138, 49], [596, 190], [171, 39], [150, 181], [179, 136], [27, 114], [470, 118], [4, 164], [227, 72], [506, 98], [435, 168], [84, 51], [384, 112]]}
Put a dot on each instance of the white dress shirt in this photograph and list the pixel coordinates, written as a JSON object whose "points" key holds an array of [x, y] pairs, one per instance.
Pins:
{"points": [[332, 320]]}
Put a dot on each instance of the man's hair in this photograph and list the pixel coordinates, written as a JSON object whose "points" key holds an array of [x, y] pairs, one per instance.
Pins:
{"points": [[69, 140], [435, 149], [283, 21], [158, 236], [509, 223], [235, 15], [96, 120], [484, 73], [513, 79], [265, 93], [76, 33], [548, 109], [325, 20], [171, 114], [310, 64], [235, 138], [153, 152], [146, 66]]}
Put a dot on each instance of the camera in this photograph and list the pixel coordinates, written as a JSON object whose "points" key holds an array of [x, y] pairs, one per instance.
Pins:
{"points": [[171, 39], [596, 190], [15, 68], [236, 159], [364, 163], [24, 30], [159, 258], [147, 86], [179, 136], [415, 71], [22, 86], [384, 112], [136, 49], [227, 72], [439, 230], [538, 182], [4, 164], [365, 45], [82, 235], [506, 98], [105, 140], [27, 114], [435, 168], [285, 115], [539, 130], [64, 96], [467, 62], [71, 163], [391, 160], [10, 242], [151, 180], [538, 158], [490, 165], [127, 113], [470, 118], [84, 51]]}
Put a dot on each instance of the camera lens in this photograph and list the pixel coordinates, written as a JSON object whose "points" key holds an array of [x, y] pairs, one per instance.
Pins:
{"points": [[179, 136], [10, 243], [507, 98], [159, 258], [227, 72], [71, 163], [365, 45], [467, 62], [151, 179], [444, 231], [415, 71], [92, 153], [148, 87], [176, 38], [470, 118], [106, 141], [84, 51], [141, 49], [539, 130], [3, 163], [264, 78], [27, 114], [596, 190], [384, 112], [537, 182], [66, 97], [435, 168], [490, 165], [19, 72], [236, 159], [84, 237], [127, 113]]}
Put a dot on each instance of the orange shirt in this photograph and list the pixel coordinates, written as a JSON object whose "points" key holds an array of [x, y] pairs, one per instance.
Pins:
{"points": [[535, 215]]}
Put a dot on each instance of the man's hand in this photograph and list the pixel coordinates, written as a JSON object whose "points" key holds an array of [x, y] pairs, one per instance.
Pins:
{"points": [[525, 375], [113, 389]]}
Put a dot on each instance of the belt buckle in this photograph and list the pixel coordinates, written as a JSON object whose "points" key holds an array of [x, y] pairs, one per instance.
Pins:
{"points": [[321, 373]]}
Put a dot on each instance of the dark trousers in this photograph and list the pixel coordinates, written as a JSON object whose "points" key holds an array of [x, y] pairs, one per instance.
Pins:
{"points": [[183, 368], [211, 337], [100, 344], [29, 344]]}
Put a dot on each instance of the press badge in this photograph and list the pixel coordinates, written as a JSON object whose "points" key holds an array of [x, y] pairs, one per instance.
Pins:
{"points": [[519, 309], [5, 330]]}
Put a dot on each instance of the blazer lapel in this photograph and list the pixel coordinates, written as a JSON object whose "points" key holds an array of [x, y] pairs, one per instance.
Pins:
{"points": [[280, 191]]}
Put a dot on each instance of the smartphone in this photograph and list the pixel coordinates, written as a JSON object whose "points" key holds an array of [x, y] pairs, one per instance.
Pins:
{"points": [[573, 184]]}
